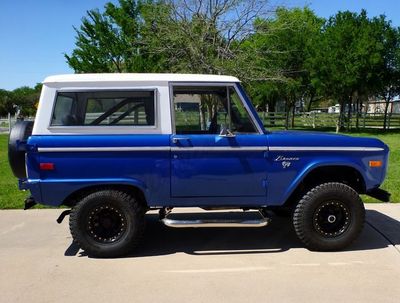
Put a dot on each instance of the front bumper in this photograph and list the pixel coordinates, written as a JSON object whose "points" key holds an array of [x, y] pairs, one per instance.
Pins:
{"points": [[379, 194]]}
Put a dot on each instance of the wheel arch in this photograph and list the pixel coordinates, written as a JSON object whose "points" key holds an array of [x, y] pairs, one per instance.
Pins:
{"points": [[316, 175], [131, 189]]}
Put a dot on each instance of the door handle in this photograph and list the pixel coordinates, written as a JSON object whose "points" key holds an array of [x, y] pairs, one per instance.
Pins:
{"points": [[176, 140]]}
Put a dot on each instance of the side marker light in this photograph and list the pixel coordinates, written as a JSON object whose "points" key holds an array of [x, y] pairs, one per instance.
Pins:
{"points": [[375, 163], [46, 166]]}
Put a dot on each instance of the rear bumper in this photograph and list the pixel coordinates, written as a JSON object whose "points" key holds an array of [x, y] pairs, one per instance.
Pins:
{"points": [[29, 202], [379, 194], [33, 186]]}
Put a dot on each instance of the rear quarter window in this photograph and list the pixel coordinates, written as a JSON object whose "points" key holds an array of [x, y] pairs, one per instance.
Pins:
{"points": [[104, 108]]}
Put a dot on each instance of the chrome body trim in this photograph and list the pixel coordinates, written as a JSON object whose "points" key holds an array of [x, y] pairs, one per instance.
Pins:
{"points": [[324, 148], [216, 223], [102, 149], [207, 148], [220, 148]]}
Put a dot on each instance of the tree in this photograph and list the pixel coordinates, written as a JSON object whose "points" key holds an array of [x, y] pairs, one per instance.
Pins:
{"points": [[206, 36], [291, 55], [346, 61], [6, 105], [26, 99], [389, 78], [168, 36], [284, 43], [111, 41]]}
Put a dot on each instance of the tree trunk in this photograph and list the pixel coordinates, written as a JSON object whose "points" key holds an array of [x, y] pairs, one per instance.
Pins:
{"points": [[340, 123], [387, 103], [349, 112], [358, 106], [293, 113], [271, 112], [311, 101], [287, 113]]}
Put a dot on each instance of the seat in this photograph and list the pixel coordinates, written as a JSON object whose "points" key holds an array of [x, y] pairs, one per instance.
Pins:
{"points": [[69, 120]]}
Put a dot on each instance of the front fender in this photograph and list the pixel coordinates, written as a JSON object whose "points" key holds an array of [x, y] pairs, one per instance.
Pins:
{"points": [[312, 166], [283, 182]]}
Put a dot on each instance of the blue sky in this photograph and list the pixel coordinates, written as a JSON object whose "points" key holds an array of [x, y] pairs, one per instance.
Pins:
{"points": [[34, 34]]}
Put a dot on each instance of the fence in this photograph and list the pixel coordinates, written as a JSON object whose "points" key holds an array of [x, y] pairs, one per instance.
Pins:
{"points": [[324, 120], [7, 122], [137, 118], [312, 120]]}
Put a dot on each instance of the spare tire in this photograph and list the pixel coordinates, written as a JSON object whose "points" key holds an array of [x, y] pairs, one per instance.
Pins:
{"points": [[20, 132]]}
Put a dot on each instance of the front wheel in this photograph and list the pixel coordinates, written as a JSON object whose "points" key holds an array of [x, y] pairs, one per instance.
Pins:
{"points": [[107, 223], [329, 217]]}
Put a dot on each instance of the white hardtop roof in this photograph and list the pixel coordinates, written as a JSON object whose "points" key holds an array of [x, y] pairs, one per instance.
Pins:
{"points": [[125, 77]]}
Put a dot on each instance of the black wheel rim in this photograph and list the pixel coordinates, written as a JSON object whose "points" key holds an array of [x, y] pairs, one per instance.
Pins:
{"points": [[106, 224], [331, 219]]}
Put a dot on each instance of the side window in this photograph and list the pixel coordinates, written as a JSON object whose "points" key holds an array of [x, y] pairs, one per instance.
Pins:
{"points": [[241, 121], [63, 105], [200, 109], [105, 108], [208, 110]]}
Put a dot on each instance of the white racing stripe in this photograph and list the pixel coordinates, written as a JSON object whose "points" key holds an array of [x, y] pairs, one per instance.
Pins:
{"points": [[209, 148], [102, 149], [221, 148], [151, 148], [324, 148]]}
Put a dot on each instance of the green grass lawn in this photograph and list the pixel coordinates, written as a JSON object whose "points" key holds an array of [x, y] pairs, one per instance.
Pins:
{"points": [[11, 197], [392, 181]]}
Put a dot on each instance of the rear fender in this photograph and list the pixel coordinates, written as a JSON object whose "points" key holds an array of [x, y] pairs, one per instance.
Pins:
{"points": [[56, 191]]}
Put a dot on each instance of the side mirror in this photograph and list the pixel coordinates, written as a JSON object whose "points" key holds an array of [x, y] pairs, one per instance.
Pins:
{"points": [[225, 132]]}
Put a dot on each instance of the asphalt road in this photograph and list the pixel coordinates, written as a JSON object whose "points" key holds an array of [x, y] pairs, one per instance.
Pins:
{"points": [[39, 263]]}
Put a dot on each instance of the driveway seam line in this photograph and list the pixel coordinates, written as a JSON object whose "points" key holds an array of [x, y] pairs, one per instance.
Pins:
{"points": [[383, 235]]}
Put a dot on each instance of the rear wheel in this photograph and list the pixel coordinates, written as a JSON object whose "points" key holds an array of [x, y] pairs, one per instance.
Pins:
{"points": [[107, 223], [329, 217]]}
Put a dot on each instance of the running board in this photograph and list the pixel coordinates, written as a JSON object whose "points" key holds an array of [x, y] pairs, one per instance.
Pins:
{"points": [[264, 221]]}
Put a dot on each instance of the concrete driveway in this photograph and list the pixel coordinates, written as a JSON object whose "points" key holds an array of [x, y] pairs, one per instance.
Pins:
{"points": [[39, 263]]}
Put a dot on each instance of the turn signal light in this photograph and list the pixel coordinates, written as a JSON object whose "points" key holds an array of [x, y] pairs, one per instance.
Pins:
{"points": [[375, 163], [46, 166]]}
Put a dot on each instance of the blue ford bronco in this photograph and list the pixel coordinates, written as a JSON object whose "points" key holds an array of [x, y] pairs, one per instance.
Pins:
{"points": [[113, 146]]}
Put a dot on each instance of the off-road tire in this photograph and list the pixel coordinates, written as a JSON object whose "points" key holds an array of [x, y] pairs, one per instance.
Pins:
{"points": [[323, 202], [121, 220]]}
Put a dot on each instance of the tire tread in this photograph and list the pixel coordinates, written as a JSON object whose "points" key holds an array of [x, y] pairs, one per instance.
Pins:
{"points": [[134, 205], [301, 208]]}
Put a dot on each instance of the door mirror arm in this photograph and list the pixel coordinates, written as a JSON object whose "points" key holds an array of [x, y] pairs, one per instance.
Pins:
{"points": [[226, 133]]}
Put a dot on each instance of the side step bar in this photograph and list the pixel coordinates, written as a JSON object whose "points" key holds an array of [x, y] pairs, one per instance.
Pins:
{"points": [[263, 221]]}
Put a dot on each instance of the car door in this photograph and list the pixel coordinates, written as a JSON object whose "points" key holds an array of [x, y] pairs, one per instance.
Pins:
{"points": [[217, 150]]}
